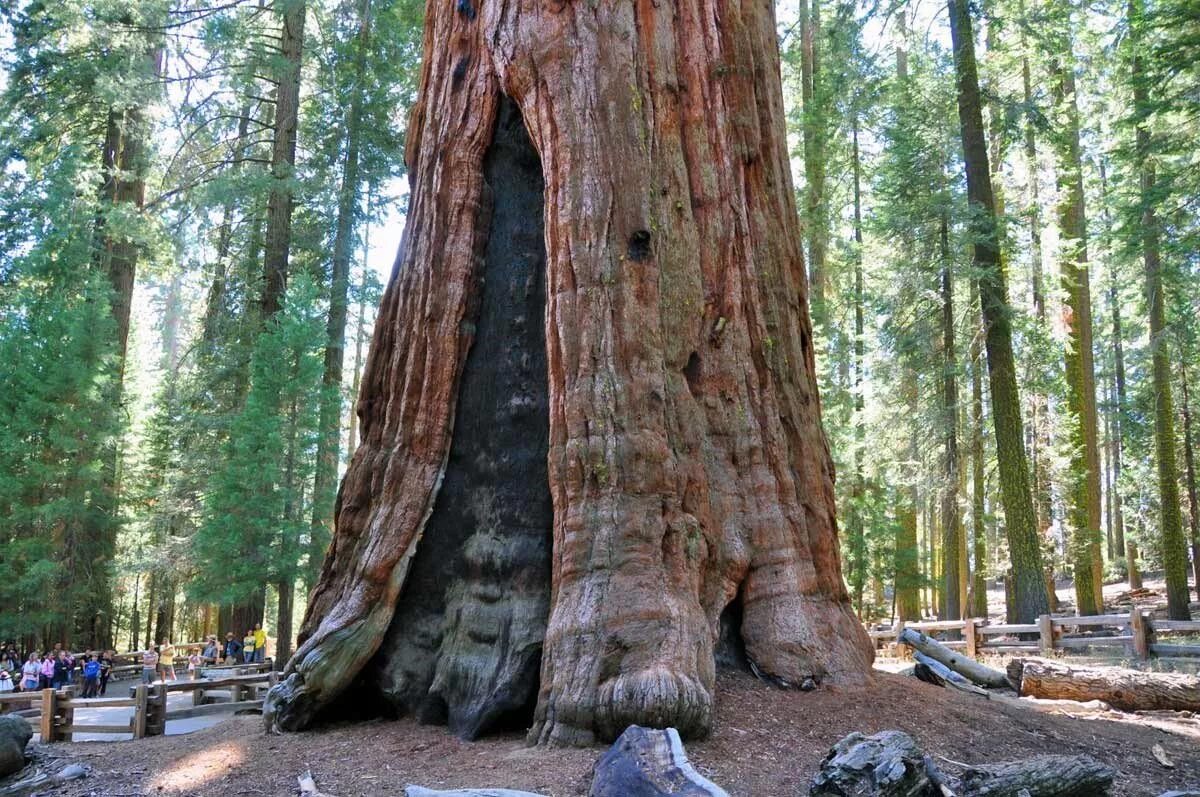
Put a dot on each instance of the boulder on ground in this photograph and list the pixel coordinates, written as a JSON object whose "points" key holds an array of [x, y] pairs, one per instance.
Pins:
{"points": [[15, 733], [649, 763], [888, 764]]}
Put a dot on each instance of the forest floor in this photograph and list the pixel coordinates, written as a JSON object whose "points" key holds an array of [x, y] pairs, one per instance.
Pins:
{"points": [[767, 743]]}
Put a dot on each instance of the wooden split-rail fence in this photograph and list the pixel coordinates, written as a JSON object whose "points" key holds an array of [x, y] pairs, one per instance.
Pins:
{"points": [[1137, 634], [52, 711]]}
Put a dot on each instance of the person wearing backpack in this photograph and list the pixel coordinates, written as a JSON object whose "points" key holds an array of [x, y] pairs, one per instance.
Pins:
{"points": [[91, 677]]}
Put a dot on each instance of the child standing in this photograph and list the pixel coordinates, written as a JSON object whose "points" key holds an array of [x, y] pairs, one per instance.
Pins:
{"points": [[248, 648], [47, 671], [194, 662], [91, 677], [6, 684]]}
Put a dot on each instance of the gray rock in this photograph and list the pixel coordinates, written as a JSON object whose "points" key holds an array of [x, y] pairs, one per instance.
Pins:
{"points": [[15, 733], [888, 764], [649, 763]]}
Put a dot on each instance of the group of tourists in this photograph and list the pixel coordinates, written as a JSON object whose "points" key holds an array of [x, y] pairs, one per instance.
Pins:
{"points": [[159, 663], [54, 669]]}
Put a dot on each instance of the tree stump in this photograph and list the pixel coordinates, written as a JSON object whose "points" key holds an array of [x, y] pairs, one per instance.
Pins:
{"points": [[888, 764], [590, 421], [649, 763]]}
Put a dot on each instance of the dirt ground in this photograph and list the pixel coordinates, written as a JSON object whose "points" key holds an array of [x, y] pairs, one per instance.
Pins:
{"points": [[767, 742]]}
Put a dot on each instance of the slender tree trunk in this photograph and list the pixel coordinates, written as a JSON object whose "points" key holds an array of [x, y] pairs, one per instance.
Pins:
{"points": [[280, 200], [907, 564], [1083, 493], [1020, 521], [1171, 539], [608, 188], [979, 606], [356, 381], [855, 525], [1039, 435], [1118, 386], [1189, 458], [330, 424], [218, 288], [954, 579]]}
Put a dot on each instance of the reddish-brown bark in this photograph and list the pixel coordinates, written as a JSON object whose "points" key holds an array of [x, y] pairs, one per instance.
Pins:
{"points": [[686, 462]]}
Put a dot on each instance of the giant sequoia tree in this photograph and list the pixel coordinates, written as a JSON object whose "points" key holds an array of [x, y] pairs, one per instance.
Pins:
{"points": [[592, 461]]}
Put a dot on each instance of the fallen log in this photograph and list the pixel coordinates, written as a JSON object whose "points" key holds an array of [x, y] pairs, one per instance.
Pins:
{"points": [[1127, 690], [1040, 776], [964, 665], [42, 781], [934, 672]]}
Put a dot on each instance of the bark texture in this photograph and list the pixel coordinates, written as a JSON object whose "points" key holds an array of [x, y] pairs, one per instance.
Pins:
{"points": [[1127, 690], [686, 466], [1039, 776]]}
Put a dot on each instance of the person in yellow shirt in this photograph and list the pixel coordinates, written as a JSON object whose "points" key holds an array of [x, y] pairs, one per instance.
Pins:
{"points": [[166, 657], [260, 642]]}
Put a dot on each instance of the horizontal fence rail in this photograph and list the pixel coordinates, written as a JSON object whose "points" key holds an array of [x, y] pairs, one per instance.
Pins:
{"points": [[1136, 633], [220, 690]]}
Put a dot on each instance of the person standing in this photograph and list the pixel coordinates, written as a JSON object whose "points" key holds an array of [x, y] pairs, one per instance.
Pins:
{"points": [[248, 648], [106, 665], [167, 657], [149, 665], [61, 671], [47, 671], [31, 673], [194, 661], [6, 682], [210, 651], [232, 649], [260, 643], [91, 676]]}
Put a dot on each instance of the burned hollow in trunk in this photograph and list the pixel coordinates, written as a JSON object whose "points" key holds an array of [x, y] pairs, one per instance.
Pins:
{"points": [[464, 646]]}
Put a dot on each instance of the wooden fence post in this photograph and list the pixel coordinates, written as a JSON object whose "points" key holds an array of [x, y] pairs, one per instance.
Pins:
{"points": [[969, 633], [139, 712], [68, 715], [1046, 633], [49, 709], [1141, 641], [157, 724]]}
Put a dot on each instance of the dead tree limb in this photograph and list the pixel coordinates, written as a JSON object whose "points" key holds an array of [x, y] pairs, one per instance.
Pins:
{"points": [[1127, 690], [964, 665]]}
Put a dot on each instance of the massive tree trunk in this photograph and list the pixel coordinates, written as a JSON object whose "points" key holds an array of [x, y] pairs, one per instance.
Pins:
{"points": [[601, 515], [1174, 548], [1029, 590]]}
